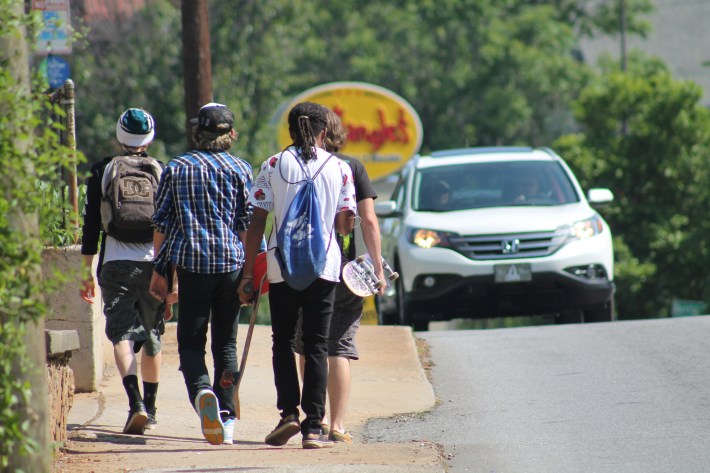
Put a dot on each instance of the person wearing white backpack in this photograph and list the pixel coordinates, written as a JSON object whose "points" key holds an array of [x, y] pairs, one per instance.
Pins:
{"points": [[281, 178]]}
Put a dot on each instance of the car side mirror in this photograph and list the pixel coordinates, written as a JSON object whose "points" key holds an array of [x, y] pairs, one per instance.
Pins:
{"points": [[600, 196], [386, 208]]}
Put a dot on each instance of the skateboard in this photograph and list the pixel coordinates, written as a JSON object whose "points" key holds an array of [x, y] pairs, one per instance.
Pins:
{"points": [[235, 378], [359, 276]]}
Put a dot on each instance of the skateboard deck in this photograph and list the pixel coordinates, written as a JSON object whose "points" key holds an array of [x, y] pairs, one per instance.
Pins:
{"points": [[262, 288], [359, 276]]}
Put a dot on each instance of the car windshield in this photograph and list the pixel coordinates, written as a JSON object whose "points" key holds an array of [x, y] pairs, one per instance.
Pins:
{"points": [[492, 184]]}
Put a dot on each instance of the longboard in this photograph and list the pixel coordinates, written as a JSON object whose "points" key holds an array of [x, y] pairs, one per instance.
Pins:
{"points": [[262, 288]]}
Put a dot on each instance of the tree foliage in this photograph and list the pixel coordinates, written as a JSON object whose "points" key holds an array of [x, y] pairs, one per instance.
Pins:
{"points": [[646, 136], [479, 72], [30, 154]]}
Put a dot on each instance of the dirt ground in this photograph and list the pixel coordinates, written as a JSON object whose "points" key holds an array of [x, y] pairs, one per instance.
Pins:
{"points": [[388, 380]]}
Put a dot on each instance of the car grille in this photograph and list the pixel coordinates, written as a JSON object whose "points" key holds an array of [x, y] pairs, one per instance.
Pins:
{"points": [[519, 245]]}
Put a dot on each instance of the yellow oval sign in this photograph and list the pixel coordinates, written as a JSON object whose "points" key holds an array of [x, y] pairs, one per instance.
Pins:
{"points": [[384, 131]]}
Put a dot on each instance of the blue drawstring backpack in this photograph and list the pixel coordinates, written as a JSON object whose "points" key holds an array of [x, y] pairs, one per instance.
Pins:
{"points": [[301, 251]]}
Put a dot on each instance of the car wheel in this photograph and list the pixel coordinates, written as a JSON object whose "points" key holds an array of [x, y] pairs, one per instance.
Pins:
{"points": [[420, 325], [569, 317], [403, 315], [604, 313], [384, 317]]}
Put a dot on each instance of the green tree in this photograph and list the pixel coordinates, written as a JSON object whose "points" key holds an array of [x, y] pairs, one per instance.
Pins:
{"points": [[647, 137], [29, 155], [130, 62]]}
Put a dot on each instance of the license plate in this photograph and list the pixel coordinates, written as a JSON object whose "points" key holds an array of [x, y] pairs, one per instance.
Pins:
{"points": [[520, 272]]}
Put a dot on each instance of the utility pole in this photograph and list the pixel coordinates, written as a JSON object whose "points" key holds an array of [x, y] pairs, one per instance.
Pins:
{"points": [[197, 59], [622, 39], [622, 32]]}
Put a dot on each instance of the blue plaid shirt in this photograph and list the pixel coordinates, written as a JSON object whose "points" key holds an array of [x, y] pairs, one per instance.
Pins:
{"points": [[201, 207]]}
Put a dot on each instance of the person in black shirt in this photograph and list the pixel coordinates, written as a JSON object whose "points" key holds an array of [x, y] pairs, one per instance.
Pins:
{"points": [[347, 310]]}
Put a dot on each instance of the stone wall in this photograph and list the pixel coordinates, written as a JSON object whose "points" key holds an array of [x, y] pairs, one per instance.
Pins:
{"points": [[60, 344], [67, 311], [60, 384]]}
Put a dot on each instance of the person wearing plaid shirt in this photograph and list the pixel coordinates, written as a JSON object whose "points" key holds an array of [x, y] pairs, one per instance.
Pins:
{"points": [[200, 225]]}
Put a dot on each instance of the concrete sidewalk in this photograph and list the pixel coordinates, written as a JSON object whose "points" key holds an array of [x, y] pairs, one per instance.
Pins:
{"points": [[387, 380]]}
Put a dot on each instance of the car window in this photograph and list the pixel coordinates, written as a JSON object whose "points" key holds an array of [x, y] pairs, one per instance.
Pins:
{"points": [[399, 193], [492, 184]]}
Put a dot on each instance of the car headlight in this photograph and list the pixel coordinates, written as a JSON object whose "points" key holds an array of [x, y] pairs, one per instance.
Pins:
{"points": [[583, 229], [425, 238]]}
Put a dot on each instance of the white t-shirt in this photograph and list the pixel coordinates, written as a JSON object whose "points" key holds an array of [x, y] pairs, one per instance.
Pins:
{"points": [[117, 250], [334, 188]]}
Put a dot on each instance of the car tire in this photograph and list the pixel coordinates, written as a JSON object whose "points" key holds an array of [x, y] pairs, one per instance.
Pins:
{"points": [[573, 316], [384, 317], [604, 313], [404, 316], [420, 325]]}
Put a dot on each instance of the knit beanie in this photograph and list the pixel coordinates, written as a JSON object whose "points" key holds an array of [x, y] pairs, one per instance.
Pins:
{"points": [[135, 128]]}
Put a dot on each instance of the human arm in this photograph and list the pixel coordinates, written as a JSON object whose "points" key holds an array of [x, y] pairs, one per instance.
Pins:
{"points": [[162, 219], [345, 217], [159, 281], [254, 235], [88, 286], [371, 235], [91, 232]]}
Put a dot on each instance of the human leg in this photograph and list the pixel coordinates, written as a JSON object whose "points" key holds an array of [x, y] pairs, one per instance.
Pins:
{"points": [[338, 390], [151, 315], [284, 302], [119, 281], [223, 333], [347, 312], [317, 311], [195, 305], [150, 372]]}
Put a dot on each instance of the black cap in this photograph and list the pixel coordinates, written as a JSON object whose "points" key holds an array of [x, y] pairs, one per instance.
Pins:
{"points": [[215, 118]]}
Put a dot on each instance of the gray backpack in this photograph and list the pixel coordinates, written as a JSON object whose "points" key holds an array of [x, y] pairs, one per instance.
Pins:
{"points": [[129, 188]]}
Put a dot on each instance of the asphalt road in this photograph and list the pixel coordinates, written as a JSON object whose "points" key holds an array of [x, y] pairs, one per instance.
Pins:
{"points": [[622, 397]]}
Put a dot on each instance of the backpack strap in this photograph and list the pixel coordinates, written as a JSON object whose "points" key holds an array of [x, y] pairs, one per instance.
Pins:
{"points": [[308, 178], [303, 168]]}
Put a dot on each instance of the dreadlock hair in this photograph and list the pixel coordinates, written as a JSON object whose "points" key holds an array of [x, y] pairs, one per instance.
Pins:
{"points": [[336, 134], [305, 121]]}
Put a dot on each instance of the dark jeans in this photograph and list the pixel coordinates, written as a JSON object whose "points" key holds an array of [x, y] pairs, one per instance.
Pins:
{"points": [[316, 302], [202, 295]]}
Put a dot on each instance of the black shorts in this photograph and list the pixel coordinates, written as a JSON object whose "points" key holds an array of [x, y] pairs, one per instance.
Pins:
{"points": [[132, 313], [347, 312]]}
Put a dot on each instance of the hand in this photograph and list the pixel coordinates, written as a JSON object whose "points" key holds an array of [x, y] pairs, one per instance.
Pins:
{"points": [[87, 291], [380, 275], [246, 291], [158, 286], [172, 298]]}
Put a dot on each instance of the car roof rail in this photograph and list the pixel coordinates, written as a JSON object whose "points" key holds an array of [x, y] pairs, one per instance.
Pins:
{"points": [[480, 150], [548, 150]]}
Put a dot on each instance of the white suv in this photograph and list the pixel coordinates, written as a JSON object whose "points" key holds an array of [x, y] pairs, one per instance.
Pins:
{"points": [[490, 232]]}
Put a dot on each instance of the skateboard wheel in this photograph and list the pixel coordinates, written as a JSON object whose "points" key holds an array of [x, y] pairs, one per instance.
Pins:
{"points": [[393, 276], [379, 284], [360, 259]]}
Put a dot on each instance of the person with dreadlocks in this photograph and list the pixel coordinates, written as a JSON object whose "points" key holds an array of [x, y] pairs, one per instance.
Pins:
{"points": [[280, 178]]}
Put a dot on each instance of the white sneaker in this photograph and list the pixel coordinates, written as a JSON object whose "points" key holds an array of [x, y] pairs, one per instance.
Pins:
{"points": [[228, 432], [207, 408]]}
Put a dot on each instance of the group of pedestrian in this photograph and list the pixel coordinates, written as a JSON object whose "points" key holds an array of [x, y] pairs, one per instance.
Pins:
{"points": [[205, 229]]}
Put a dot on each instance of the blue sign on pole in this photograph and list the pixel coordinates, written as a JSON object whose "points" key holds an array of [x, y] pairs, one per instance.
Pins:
{"points": [[58, 71]]}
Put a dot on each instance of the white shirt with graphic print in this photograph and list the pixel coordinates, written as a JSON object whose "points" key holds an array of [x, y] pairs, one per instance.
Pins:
{"points": [[334, 189]]}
